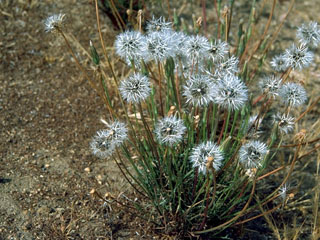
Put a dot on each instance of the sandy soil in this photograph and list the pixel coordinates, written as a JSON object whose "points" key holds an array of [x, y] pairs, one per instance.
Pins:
{"points": [[48, 114]]}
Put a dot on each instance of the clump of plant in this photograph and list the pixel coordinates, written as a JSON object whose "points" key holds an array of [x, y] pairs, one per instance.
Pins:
{"points": [[194, 140]]}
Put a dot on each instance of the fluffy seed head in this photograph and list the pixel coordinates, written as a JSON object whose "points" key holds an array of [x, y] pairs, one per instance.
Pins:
{"points": [[135, 88], [54, 22], [218, 50], [278, 63], [204, 152], [227, 66], [230, 93], [160, 45], [196, 47], [105, 141], [158, 25], [179, 39], [309, 34], [270, 85], [198, 90], [284, 122], [170, 130], [252, 154], [293, 94], [298, 57], [130, 45]]}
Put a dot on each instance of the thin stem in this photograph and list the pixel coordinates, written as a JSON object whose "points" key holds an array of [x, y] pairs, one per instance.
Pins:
{"points": [[225, 224], [308, 110], [160, 92], [204, 15], [77, 62], [265, 31], [223, 126]]}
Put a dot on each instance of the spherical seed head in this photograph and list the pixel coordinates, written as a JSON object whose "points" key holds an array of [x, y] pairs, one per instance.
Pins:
{"points": [[230, 92], [204, 151], [105, 141], [135, 88], [293, 94], [278, 63], [252, 154], [196, 47], [160, 45], [270, 85], [170, 130], [179, 41], [227, 66], [284, 122], [198, 90], [130, 45], [218, 50], [298, 57], [158, 25], [309, 34], [54, 22]]}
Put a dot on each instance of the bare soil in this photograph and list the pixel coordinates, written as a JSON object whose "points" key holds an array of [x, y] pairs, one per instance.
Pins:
{"points": [[48, 114]]}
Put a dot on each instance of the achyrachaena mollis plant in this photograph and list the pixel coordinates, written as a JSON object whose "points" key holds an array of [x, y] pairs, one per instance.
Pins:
{"points": [[203, 120]]}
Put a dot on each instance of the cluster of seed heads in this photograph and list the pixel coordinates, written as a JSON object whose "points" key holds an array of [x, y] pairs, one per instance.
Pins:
{"points": [[210, 75]]}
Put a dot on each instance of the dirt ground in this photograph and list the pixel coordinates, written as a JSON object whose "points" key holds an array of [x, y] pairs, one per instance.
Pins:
{"points": [[48, 114]]}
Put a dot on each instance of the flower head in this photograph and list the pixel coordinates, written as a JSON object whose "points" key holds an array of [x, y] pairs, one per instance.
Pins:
{"points": [[135, 88], [227, 66], [278, 63], [204, 154], [284, 122], [218, 50], [54, 22], [309, 34], [252, 154], [198, 90], [160, 45], [170, 130], [106, 140], [230, 93], [270, 85], [179, 41], [298, 57], [293, 94], [130, 45], [196, 47], [158, 25]]}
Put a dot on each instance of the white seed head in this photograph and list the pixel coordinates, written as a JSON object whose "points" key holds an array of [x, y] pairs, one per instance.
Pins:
{"points": [[160, 45], [284, 122], [135, 88], [298, 57], [130, 46], [198, 90], [270, 85], [227, 66], [158, 25], [202, 152], [170, 130], [293, 94], [230, 92], [252, 154], [218, 50], [196, 47], [105, 141], [278, 63], [54, 22], [309, 34]]}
